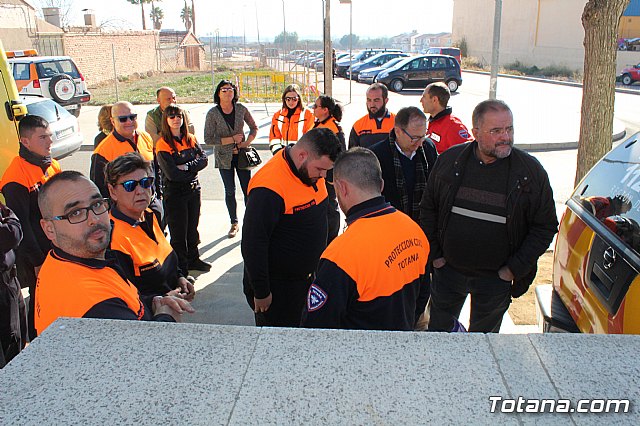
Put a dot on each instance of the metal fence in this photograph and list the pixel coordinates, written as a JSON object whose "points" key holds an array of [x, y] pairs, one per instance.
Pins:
{"points": [[268, 86]]}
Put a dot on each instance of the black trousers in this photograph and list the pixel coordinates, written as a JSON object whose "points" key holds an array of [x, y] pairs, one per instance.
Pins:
{"points": [[182, 205], [27, 278], [288, 299], [490, 299], [13, 321]]}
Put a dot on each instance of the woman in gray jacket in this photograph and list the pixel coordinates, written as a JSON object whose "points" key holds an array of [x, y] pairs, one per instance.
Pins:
{"points": [[224, 130]]}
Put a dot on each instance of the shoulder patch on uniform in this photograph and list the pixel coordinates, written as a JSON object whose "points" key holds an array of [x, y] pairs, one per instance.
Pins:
{"points": [[316, 298], [464, 133]]}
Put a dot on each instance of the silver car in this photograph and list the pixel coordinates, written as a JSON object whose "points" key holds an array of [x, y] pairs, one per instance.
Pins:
{"points": [[67, 138]]}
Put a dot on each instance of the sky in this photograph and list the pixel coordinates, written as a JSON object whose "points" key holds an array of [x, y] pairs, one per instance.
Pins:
{"points": [[371, 18]]}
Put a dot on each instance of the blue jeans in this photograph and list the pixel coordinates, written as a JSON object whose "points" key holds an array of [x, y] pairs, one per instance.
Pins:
{"points": [[228, 179], [490, 299]]}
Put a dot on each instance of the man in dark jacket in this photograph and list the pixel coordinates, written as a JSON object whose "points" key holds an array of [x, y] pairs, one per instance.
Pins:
{"points": [[489, 214], [406, 157]]}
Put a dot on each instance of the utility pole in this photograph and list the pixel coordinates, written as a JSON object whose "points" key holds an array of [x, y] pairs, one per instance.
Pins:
{"points": [[495, 63], [328, 72]]}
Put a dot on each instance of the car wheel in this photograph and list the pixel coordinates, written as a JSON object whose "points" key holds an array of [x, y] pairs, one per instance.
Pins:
{"points": [[452, 85], [627, 80], [62, 88], [397, 85]]}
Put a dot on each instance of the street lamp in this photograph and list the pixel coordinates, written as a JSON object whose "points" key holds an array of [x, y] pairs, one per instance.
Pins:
{"points": [[350, 41]]}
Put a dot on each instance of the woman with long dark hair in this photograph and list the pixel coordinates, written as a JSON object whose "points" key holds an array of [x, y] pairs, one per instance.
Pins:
{"points": [[291, 122], [224, 130], [180, 158], [328, 114]]}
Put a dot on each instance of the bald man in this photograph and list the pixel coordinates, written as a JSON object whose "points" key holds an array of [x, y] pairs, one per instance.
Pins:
{"points": [[165, 96]]}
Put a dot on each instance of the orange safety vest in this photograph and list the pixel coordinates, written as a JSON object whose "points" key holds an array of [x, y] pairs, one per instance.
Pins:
{"points": [[370, 131], [285, 130], [391, 249], [277, 176], [111, 148], [68, 288], [28, 175]]}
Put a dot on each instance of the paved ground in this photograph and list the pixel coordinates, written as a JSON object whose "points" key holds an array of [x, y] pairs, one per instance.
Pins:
{"points": [[539, 123]]}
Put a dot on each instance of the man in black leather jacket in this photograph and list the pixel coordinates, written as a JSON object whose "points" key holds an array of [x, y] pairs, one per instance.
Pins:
{"points": [[489, 214]]}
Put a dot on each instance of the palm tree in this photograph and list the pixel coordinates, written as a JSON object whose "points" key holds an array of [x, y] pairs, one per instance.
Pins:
{"points": [[141, 3], [186, 16], [156, 16]]}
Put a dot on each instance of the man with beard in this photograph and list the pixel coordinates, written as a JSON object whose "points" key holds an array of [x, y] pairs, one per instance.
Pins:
{"points": [[285, 227], [406, 157], [77, 279], [489, 214], [376, 125]]}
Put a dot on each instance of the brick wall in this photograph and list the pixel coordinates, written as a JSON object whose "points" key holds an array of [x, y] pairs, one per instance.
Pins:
{"points": [[135, 51]]}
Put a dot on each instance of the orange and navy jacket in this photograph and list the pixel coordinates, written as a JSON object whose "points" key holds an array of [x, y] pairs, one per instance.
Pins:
{"points": [[20, 186], [143, 252], [368, 130], [70, 286], [187, 152], [113, 146], [285, 225], [373, 275], [334, 126], [286, 130], [446, 130]]}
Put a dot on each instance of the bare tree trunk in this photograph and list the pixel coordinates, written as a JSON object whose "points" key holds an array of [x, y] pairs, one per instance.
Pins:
{"points": [[144, 25], [193, 17], [600, 20]]}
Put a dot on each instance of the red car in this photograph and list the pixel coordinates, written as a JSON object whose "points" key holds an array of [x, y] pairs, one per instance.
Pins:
{"points": [[630, 75]]}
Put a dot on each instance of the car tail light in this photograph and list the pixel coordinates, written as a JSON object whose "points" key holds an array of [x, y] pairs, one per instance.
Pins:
{"points": [[36, 84], [81, 76]]}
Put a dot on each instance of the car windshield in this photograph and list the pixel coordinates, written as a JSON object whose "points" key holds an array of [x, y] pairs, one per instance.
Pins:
{"points": [[611, 191], [48, 110], [50, 68]]}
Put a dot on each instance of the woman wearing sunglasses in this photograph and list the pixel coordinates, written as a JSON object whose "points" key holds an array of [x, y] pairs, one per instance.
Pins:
{"points": [[138, 243], [328, 114], [223, 129], [291, 122], [180, 159]]}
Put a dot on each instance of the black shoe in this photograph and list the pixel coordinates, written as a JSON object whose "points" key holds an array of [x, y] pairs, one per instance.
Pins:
{"points": [[199, 265]]}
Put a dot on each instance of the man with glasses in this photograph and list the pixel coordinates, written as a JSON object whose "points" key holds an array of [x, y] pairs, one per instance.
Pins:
{"points": [[406, 157], [124, 138], [78, 279], [489, 214], [20, 185], [376, 125]]}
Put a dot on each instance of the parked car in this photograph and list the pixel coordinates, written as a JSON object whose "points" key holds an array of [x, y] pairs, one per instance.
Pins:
{"points": [[418, 71], [368, 76], [374, 61], [319, 66], [67, 138], [596, 267], [343, 65], [629, 75], [55, 77], [11, 112], [451, 51]]}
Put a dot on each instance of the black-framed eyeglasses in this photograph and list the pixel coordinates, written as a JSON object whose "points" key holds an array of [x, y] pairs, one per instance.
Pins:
{"points": [[124, 118], [130, 185], [499, 131], [174, 116], [81, 214], [414, 138], [227, 89]]}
